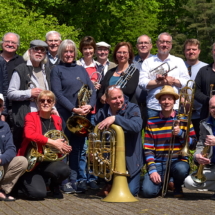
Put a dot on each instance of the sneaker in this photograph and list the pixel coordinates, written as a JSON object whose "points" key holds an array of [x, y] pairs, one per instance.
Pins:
{"points": [[75, 187], [82, 186], [213, 197], [178, 193], [93, 185], [67, 188], [56, 193]]}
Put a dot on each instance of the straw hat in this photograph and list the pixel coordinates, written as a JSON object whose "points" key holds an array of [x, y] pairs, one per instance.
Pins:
{"points": [[167, 90]]}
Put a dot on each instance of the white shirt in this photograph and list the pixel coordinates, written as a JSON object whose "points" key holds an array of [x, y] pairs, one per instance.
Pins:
{"points": [[180, 73]]}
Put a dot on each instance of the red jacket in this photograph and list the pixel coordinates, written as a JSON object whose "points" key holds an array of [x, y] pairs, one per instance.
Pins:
{"points": [[33, 131]]}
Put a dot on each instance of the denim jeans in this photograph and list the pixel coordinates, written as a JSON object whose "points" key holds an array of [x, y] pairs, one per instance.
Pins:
{"points": [[83, 168], [179, 171], [134, 184], [152, 112]]}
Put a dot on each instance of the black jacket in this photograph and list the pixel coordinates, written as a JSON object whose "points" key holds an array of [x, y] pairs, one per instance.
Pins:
{"points": [[202, 93]]}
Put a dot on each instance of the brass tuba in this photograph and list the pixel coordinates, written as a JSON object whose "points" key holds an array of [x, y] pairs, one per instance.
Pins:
{"points": [[80, 125], [49, 154], [106, 158]]}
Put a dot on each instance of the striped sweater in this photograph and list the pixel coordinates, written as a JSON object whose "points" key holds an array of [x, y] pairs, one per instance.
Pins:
{"points": [[158, 135]]}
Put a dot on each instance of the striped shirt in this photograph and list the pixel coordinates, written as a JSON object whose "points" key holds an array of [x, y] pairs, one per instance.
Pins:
{"points": [[158, 136]]}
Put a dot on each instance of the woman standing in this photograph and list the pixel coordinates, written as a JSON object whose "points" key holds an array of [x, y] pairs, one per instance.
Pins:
{"points": [[123, 56], [67, 79]]}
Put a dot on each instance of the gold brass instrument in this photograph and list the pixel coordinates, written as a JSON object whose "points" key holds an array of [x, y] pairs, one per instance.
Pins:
{"points": [[126, 76], [186, 99], [1, 172], [106, 158], [80, 125], [212, 92], [160, 70], [49, 154], [198, 175]]}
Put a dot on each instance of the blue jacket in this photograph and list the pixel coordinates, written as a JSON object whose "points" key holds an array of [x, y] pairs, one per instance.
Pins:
{"points": [[129, 118], [8, 149]]}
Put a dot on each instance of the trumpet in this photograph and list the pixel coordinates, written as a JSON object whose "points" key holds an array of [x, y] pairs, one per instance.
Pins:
{"points": [[126, 76], [160, 70]]}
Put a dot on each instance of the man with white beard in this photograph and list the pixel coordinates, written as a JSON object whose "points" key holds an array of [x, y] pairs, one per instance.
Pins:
{"points": [[153, 82]]}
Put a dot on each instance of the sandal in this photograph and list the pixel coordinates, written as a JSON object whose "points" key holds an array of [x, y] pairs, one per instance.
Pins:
{"points": [[7, 197]]}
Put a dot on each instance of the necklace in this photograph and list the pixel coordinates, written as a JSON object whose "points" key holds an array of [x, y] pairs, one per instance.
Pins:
{"points": [[47, 129], [119, 73]]}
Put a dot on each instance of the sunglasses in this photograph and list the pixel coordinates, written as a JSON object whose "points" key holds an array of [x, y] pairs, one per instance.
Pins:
{"points": [[37, 48], [114, 87], [49, 101]]}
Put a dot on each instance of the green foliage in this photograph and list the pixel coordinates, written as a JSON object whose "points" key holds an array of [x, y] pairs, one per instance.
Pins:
{"points": [[30, 25]]}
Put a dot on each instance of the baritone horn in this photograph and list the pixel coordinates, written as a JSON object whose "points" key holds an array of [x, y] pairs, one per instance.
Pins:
{"points": [[106, 159]]}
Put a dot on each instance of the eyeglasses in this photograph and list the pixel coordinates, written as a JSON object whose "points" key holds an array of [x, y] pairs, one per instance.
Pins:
{"points": [[10, 42], [167, 42], [114, 87], [42, 49], [53, 41], [49, 101], [143, 43], [103, 49], [122, 53], [69, 51]]}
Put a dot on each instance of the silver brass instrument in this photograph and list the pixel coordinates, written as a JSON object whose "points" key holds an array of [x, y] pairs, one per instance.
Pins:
{"points": [[126, 76], [49, 154], [186, 99], [160, 70], [106, 158], [80, 125], [98, 78]]}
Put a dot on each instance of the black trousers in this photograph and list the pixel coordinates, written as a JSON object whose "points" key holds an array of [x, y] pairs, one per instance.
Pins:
{"points": [[33, 183]]}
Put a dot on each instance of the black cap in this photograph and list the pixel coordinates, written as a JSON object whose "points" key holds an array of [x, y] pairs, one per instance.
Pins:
{"points": [[40, 43]]}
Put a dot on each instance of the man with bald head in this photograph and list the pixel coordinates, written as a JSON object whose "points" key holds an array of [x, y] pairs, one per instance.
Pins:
{"points": [[206, 139], [118, 110]]}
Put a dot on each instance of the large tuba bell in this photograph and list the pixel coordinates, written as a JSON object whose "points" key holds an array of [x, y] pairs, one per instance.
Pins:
{"points": [[106, 158], [49, 154], [80, 125]]}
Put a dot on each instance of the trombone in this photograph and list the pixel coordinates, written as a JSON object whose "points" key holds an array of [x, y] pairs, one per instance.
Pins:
{"points": [[186, 99]]}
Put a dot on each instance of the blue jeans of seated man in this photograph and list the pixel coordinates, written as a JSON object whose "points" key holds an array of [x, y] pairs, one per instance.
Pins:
{"points": [[179, 171], [83, 168], [152, 113], [134, 184]]}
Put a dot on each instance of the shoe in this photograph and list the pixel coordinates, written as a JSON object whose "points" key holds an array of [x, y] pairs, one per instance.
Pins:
{"points": [[82, 187], [105, 191], [178, 193], [7, 197], [56, 193], [93, 185], [67, 188], [171, 186], [213, 197]]}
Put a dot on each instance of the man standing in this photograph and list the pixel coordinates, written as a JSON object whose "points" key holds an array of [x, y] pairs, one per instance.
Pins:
{"points": [[207, 159], [102, 53], [144, 46], [151, 80], [120, 111], [191, 52], [11, 166], [27, 81], [205, 82], [10, 44], [53, 39], [158, 135]]}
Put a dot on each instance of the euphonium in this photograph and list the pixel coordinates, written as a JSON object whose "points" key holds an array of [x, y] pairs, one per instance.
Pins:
{"points": [[198, 175], [49, 154], [80, 125], [106, 158]]}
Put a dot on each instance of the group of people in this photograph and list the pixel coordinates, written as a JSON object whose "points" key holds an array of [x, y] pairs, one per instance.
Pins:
{"points": [[40, 92]]}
